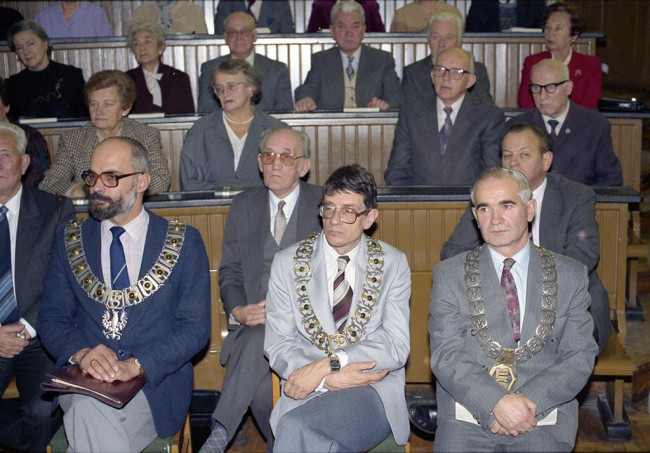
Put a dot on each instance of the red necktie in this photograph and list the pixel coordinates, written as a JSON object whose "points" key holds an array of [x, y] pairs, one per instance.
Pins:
{"points": [[510, 290]]}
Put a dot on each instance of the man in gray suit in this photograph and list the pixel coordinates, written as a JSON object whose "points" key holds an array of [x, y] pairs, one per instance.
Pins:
{"points": [[445, 31], [28, 222], [565, 217], [337, 328], [240, 38], [447, 139], [509, 363], [256, 228], [350, 74]]}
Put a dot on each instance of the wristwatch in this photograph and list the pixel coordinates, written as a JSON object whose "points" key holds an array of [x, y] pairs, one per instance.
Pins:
{"points": [[137, 362], [335, 363]]}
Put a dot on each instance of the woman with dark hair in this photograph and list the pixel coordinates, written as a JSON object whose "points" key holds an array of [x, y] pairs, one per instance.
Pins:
{"points": [[562, 26], [44, 88], [39, 155], [109, 96], [158, 87], [221, 148]]}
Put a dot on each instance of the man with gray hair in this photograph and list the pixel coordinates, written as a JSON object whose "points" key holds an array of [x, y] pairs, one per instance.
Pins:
{"points": [[29, 219], [260, 222], [350, 74], [509, 353], [445, 31]]}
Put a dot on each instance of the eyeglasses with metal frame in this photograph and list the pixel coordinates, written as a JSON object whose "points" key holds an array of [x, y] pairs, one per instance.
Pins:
{"points": [[549, 87], [454, 73], [110, 179], [230, 86], [286, 159], [347, 215]]}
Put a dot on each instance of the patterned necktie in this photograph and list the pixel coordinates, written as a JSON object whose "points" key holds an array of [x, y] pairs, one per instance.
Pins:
{"points": [[8, 306], [119, 272], [249, 9], [445, 132], [280, 223], [350, 69], [342, 295], [553, 124], [510, 290]]}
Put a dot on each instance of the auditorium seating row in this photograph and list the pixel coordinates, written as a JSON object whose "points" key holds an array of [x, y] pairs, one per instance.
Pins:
{"points": [[502, 53]]}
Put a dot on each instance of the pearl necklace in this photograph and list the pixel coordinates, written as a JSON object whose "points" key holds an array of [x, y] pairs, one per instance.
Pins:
{"points": [[230, 120]]}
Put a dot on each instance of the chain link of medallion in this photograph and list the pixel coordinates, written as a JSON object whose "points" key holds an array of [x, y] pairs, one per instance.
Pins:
{"points": [[356, 325], [477, 308]]}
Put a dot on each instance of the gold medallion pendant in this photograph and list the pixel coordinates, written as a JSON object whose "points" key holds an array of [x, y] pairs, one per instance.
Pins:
{"points": [[503, 370]]}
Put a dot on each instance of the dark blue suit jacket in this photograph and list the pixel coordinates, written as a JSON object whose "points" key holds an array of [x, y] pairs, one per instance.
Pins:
{"points": [[274, 15], [164, 331]]}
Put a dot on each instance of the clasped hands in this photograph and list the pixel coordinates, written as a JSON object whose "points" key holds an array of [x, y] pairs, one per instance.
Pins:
{"points": [[514, 415], [309, 105], [102, 364], [307, 378], [13, 339]]}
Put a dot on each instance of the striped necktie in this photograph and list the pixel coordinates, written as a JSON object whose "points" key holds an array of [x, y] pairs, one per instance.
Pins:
{"points": [[280, 223], [8, 305], [119, 271], [512, 299], [342, 295], [445, 132]]}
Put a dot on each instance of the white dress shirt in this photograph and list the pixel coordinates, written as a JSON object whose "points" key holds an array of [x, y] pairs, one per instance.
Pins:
{"points": [[133, 241], [291, 200], [519, 272]]}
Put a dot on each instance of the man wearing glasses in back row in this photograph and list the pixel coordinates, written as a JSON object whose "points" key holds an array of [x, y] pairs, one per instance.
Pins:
{"points": [[447, 138]]}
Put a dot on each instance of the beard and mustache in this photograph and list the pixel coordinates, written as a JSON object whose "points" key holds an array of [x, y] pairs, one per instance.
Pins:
{"points": [[113, 208]]}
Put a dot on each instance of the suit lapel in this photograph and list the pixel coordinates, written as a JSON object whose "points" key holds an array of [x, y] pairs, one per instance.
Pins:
{"points": [[259, 218], [463, 117], [533, 296], [318, 290], [360, 275], [248, 157], [568, 124], [29, 225], [334, 77], [551, 209]]}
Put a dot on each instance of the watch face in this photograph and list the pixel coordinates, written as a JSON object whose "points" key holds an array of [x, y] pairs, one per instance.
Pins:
{"points": [[335, 364]]}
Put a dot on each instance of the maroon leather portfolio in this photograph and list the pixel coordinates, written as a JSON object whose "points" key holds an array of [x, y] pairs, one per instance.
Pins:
{"points": [[73, 380]]}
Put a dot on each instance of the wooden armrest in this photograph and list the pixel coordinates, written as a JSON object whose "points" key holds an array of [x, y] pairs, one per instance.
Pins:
{"points": [[614, 361]]}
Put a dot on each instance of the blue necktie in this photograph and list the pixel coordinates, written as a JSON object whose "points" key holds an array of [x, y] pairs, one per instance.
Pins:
{"points": [[445, 132], [553, 124], [119, 272], [8, 306]]}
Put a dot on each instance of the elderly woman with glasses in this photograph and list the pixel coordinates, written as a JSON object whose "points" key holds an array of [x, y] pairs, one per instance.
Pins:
{"points": [[562, 26], [158, 87], [221, 148], [109, 95], [44, 88]]}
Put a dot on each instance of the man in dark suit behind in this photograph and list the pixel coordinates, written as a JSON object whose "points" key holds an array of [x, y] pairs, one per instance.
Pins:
{"points": [[445, 31], [349, 74], [255, 231], [565, 219], [27, 230], [447, 139], [582, 140], [272, 14], [240, 36]]}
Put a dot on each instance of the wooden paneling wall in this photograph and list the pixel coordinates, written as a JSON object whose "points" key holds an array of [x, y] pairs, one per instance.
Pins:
{"points": [[339, 139]]}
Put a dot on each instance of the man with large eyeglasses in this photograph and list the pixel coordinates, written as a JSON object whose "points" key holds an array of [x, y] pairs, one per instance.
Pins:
{"points": [[582, 141], [240, 35], [127, 294], [448, 138], [337, 328], [261, 222]]}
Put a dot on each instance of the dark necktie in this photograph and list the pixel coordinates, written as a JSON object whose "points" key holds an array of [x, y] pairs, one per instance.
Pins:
{"points": [[510, 290], [553, 124], [119, 272], [342, 295], [280, 223], [249, 10], [445, 132], [8, 306], [350, 69]]}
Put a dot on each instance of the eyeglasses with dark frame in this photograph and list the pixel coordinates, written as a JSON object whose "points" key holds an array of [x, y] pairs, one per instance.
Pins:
{"points": [[236, 33], [454, 73], [110, 179], [230, 86], [347, 215], [549, 87], [286, 159]]}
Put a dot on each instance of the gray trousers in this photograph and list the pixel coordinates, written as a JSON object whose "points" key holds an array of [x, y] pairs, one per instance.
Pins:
{"points": [[353, 419], [91, 425]]}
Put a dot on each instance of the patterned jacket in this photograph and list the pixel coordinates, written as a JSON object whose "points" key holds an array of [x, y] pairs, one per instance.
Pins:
{"points": [[76, 147]]}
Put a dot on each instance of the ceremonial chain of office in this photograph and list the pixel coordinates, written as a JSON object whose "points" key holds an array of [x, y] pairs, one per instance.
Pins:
{"points": [[115, 318], [506, 358], [356, 325]]}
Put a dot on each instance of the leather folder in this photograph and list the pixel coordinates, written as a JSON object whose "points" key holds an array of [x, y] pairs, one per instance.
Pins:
{"points": [[73, 380]]}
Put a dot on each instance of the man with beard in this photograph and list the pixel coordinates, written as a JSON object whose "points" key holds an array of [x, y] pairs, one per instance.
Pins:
{"points": [[127, 294]]}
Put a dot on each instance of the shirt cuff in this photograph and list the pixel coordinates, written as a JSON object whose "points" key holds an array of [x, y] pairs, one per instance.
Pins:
{"points": [[320, 388], [343, 357], [29, 328]]}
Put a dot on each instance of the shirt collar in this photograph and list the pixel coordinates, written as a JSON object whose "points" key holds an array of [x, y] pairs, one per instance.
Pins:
{"points": [[13, 205], [136, 229]]}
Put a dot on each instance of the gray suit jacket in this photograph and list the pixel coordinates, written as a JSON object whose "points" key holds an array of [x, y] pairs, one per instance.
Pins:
{"points": [[207, 157], [583, 150], [40, 216], [376, 77], [416, 81], [474, 144], [274, 15], [276, 85], [385, 341], [567, 226], [551, 379]]}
